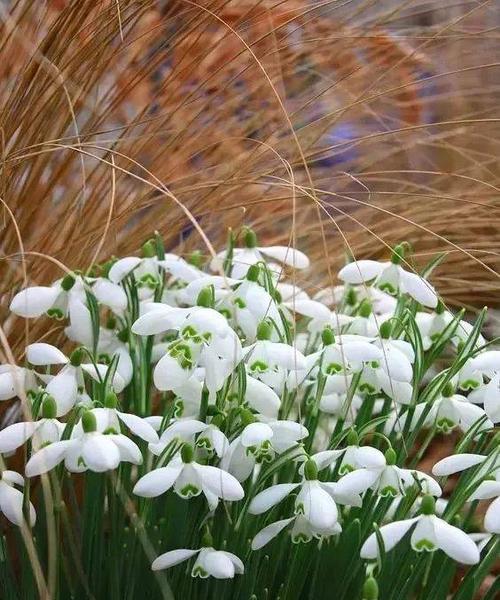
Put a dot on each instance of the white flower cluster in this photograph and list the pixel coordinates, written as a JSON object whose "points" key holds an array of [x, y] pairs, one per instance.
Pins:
{"points": [[239, 386]]}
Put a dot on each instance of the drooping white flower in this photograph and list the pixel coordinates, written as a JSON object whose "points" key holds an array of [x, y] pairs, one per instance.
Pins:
{"points": [[488, 395], [64, 386], [209, 562], [431, 533], [16, 381], [42, 432], [189, 479], [87, 448], [390, 277], [260, 442], [244, 258], [194, 432], [12, 500]]}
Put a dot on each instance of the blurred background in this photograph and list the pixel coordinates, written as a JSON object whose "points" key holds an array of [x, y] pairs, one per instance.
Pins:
{"points": [[337, 126]]}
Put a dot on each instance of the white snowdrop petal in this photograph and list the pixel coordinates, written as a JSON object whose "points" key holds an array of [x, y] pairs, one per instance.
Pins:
{"points": [[419, 289], [311, 309], [360, 271], [238, 564], [369, 458], [110, 294], [34, 301], [221, 483], [256, 433], [13, 477], [486, 490], [317, 505], [42, 354], [356, 482], [64, 389], [157, 482], [11, 383], [261, 398], [492, 517], [455, 543], [361, 352], [269, 533], [129, 452], [11, 504], [169, 375], [172, 558], [48, 457], [270, 497], [16, 435], [123, 267], [391, 535], [161, 318], [457, 462], [81, 328], [100, 453], [139, 426], [218, 565], [287, 255]]}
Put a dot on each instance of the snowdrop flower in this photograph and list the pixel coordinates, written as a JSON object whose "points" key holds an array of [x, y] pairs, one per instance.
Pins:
{"points": [[12, 500], [14, 381], [189, 479], [146, 270], [391, 277], [488, 395], [315, 502], [87, 448], [64, 387], [431, 325], [42, 432], [388, 480], [209, 562], [194, 432], [431, 533], [244, 258], [270, 361], [35, 301], [260, 442], [350, 458], [487, 489], [108, 421], [110, 346]]}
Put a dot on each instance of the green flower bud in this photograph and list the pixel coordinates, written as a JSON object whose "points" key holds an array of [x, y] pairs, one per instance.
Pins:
{"points": [[250, 238], [49, 407], [67, 283], [187, 453], [428, 505], [89, 423], [111, 400], [352, 438], [310, 470], [76, 357], [196, 259], [390, 456], [370, 589], [264, 330], [386, 330], [365, 308], [253, 273], [148, 249], [327, 336], [206, 297]]}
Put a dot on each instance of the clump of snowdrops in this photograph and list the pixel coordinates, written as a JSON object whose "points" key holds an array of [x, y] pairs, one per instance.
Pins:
{"points": [[217, 430]]}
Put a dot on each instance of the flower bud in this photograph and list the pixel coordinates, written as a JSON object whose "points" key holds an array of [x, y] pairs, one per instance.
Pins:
{"points": [[370, 589], [67, 283], [148, 249], [206, 297], [89, 423], [390, 456], [264, 331], [76, 357], [187, 453], [49, 407], [250, 238], [386, 330], [111, 400], [311, 470], [253, 273], [327, 336], [428, 505]]}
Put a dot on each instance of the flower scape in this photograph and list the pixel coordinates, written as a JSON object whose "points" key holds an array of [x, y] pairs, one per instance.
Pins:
{"points": [[215, 429]]}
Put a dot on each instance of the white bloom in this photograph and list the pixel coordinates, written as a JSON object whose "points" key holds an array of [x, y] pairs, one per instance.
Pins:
{"points": [[391, 278], [11, 499], [87, 448], [431, 533], [193, 432], [488, 394], [189, 479], [209, 563], [260, 442], [64, 386], [16, 381]]}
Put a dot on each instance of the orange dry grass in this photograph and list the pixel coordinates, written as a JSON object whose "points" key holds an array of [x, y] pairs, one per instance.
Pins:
{"points": [[330, 125]]}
